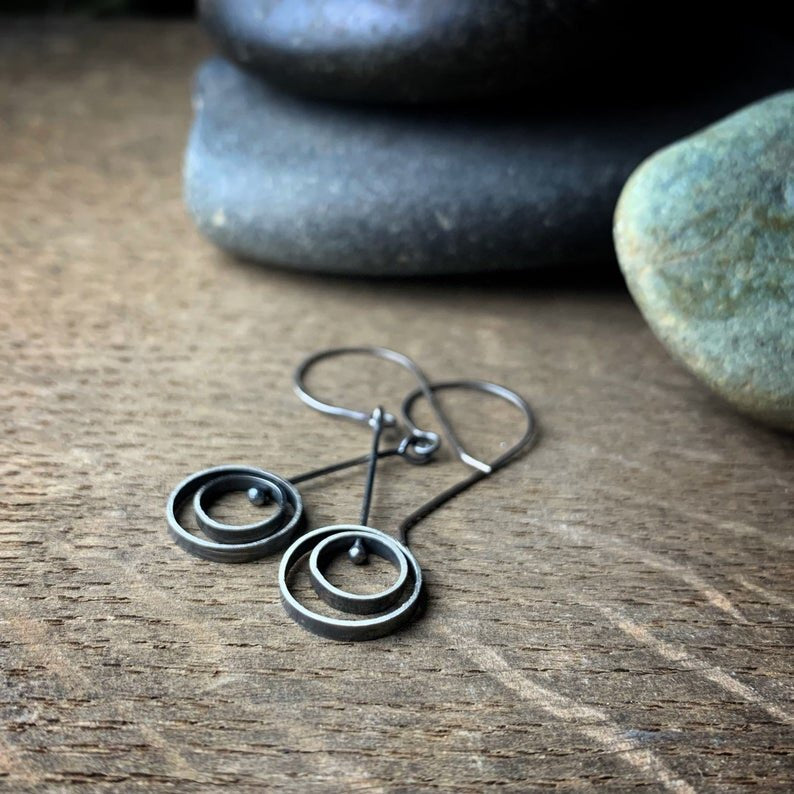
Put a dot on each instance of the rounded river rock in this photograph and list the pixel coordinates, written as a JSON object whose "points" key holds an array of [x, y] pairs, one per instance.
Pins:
{"points": [[704, 231]]}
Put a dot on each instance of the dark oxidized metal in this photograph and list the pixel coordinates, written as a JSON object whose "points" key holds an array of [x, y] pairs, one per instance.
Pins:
{"points": [[226, 542], [372, 615]]}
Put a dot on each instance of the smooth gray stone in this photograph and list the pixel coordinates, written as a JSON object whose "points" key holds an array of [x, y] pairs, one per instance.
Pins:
{"points": [[361, 190], [433, 50], [705, 236]]}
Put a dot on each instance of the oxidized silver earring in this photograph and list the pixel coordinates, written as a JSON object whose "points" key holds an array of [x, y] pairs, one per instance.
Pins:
{"points": [[376, 614]]}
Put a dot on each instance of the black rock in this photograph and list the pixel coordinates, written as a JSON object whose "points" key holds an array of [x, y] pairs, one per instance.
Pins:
{"points": [[345, 189], [431, 50]]}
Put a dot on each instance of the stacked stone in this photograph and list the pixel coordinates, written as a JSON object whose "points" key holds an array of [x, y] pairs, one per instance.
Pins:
{"points": [[427, 137], [402, 137]]}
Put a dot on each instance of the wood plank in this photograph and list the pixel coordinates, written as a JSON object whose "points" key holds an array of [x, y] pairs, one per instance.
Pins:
{"points": [[614, 610]]}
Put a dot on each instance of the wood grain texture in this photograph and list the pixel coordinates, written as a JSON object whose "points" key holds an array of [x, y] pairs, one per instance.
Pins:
{"points": [[612, 611]]}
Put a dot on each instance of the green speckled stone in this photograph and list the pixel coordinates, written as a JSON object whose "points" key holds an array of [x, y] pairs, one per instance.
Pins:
{"points": [[704, 232]]}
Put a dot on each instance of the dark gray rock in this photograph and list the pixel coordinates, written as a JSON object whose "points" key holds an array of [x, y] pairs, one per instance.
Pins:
{"points": [[430, 50], [343, 189]]}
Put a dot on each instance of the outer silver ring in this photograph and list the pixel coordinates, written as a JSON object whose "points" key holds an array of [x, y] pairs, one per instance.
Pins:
{"points": [[268, 541], [367, 628]]}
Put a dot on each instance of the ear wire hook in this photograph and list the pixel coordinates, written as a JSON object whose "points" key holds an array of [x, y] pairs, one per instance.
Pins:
{"points": [[529, 436], [389, 420]]}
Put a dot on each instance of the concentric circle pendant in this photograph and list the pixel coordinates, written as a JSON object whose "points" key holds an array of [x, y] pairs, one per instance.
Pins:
{"points": [[231, 542], [376, 614]]}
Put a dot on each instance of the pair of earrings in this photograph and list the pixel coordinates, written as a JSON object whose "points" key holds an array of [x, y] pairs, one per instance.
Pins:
{"points": [[373, 615]]}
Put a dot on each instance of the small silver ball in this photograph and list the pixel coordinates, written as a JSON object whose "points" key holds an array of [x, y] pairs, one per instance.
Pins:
{"points": [[358, 553], [256, 496]]}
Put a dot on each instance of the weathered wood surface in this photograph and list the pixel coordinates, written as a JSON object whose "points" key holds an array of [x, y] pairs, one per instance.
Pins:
{"points": [[614, 610]]}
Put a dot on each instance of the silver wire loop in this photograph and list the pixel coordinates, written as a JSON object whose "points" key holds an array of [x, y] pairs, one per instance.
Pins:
{"points": [[514, 398], [419, 447], [389, 420], [524, 442]]}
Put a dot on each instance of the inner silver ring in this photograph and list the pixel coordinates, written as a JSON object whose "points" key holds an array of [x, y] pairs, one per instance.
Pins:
{"points": [[236, 533], [356, 603]]}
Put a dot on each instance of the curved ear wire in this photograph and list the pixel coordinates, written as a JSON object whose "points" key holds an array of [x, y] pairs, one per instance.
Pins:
{"points": [[389, 420], [362, 417], [529, 436]]}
